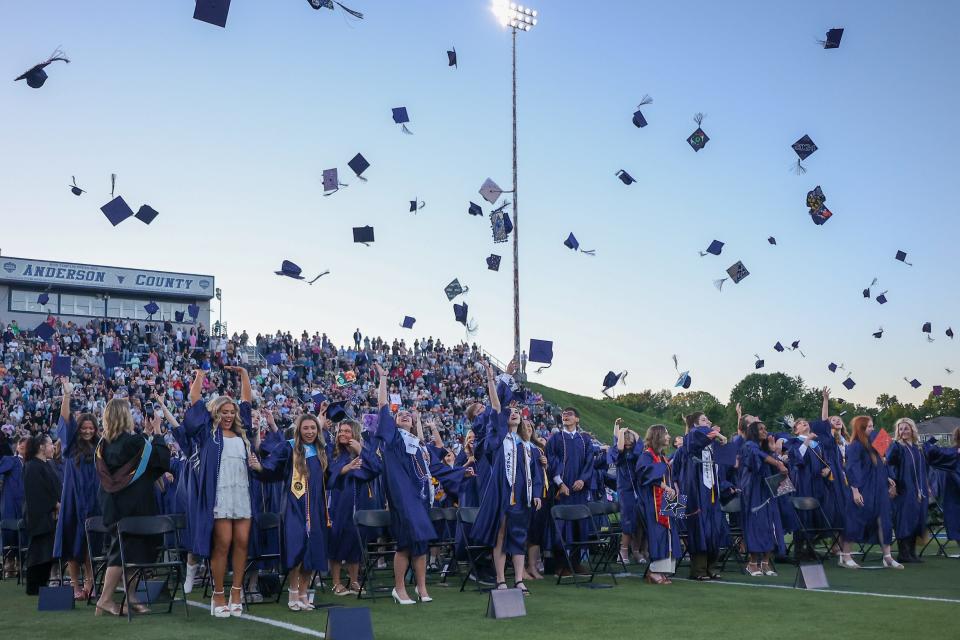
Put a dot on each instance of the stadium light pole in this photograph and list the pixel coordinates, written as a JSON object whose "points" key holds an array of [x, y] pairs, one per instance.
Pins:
{"points": [[518, 18]]}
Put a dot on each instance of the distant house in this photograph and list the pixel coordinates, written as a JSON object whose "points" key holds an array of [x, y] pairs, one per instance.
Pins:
{"points": [[941, 428]]}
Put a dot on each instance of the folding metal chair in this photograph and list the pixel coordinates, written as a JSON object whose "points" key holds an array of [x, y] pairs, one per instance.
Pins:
{"points": [[18, 549], [810, 537], [371, 523], [268, 527], [585, 537], [612, 532], [735, 531], [134, 572], [475, 552], [98, 538]]}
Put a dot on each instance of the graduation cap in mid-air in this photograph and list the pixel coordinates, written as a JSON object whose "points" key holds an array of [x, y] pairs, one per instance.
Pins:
{"points": [[331, 181], [913, 383], [178, 316], [408, 322], [772, 240], [804, 148], [474, 209], [290, 270], [882, 298], [878, 333], [328, 4], [866, 292], [117, 210], [714, 249], [212, 12], [193, 310], [572, 243], [359, 164], [849, 383], [460, 313], [684, 380], [611, 379], [541, 351], [698, 139], [337, 411], [490, 191], [902, 257], [795, 346], [111, 359], [35, 75], [937, 390], [816, 207], [44, 331], [61, 366], [454, 289], [452, 57], [778, 347], [146, 214], [832, 41], [500, 223], [736, 272], [493, 262], [151, 308], [927, 327], [401, 118], [363, 235], [625, 177], [638, 120], [416, 205], [43, 299], [949, 332], [74, 189], [758, 363], [833, 366]]}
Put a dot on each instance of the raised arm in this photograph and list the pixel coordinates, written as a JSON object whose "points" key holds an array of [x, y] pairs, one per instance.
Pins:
{"points": [[492, 388], [246, 391], [196, 387], [825, 409], [169, 417], [382, 398], [65, 403]]}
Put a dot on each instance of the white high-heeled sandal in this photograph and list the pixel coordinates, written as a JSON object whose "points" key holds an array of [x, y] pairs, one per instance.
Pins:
{"points": [[399, 600], [890, 563], [236, 608], [219, 611], [293, 599], [847, 563]]}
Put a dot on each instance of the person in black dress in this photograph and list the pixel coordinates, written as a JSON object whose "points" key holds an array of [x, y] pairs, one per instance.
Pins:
{"points": [[41, 504], [128, 464]]}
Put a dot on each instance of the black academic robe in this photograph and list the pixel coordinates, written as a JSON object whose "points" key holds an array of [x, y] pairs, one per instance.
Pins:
{"points": [[42, 493]]}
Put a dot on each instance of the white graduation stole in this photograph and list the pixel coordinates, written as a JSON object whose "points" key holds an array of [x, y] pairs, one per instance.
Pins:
{"points": [[510, 443], [707, 468]]}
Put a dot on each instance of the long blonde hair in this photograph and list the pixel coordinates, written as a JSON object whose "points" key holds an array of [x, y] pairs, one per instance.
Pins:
{"points": [[354, 433], [299, 451], [117, 419], [914, 433], [214, 407]]}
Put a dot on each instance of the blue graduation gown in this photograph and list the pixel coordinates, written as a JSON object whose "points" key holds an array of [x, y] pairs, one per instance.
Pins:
{"points": [[304, 538], [706, 529], [197, 426], [836, 494], [626, 461], [405, 481], [907, 466], [78, 499], [762, 532], [499, 502], [805, 470], [348, 492], [663, 538], [947, 460], [870, 478], [570, 456], [11, 506]]}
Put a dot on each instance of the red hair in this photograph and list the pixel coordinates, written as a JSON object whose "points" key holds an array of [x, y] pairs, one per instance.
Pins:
{"points": [[858, 427]]}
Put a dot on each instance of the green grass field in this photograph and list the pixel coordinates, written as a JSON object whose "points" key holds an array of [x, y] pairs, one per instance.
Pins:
{"points": [[630, 610], [598, 417]]}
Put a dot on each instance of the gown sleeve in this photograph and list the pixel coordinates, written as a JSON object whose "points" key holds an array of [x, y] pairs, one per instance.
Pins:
{"points": [[196, 421], [67, 434], [649, 473], [275, 465], [854, 465]]}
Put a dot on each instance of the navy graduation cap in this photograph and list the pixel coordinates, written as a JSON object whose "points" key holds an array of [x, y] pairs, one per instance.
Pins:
{"points": [[452, 57], [61, 366], [927, 327], [778, 347], [611, 379], [416, 205], [212, 12], [474, 209], [493, 262], [111, 359], [902, 257], [541, 351], [44, 331], [74, 189], [290, 270], [146, 214], [328, 4], [882, 298], [714, 249], [735, 272], [878, 334], [363, 235], [949, 332], [638, 120], [758, 363], [460, 313], [772, 240], [625, 177], [117, 210], [454, 289], [408, 322], [913, 383], [849, 383], [36, 76], [698, 139], [804, 148], [571, 243], [178, 316], [684, 380], [359, 164], [832, 41], [193, 310], [151, 308], [401, 118], [43, 299]]}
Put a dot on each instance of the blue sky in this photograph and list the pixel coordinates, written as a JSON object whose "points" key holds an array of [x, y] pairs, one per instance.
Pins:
{"points": [[226, 132]]}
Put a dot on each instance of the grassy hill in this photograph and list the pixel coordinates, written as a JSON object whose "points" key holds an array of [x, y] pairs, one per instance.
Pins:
{"points": [[597, 416]]}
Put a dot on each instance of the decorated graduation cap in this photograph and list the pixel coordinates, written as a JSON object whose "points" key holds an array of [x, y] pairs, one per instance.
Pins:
{"points": [[35, 75], [408, 322], [490, 191], [625, 177], [493, 262], [454, 289], [714, 249], [698, 139], [500, 223], [359, 164], [61, 366], [736, 272], [43, 299], [290, 270], [758, 363], [778, 347], [772, 240], [474, 209], [902, 257], [804, 148], [416, 204], [74, 189], [212, 12], [178, 316], [452, 57], [541, 351], [151, 308], [193, 310], [363, 235], [401, 118], [328, 4], [816, 207], [611, 379], [878, 333], [572, 243], [684, 380], [331, 180], [832, 41], [913, 382], [117, 210], [638, 120], [146, 214]]}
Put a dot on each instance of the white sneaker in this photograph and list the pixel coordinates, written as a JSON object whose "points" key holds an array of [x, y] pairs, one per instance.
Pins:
{"points": [[190, 576]]}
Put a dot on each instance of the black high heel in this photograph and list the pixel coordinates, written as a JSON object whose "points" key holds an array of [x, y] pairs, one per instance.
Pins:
{"points": [[523, 589]]}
